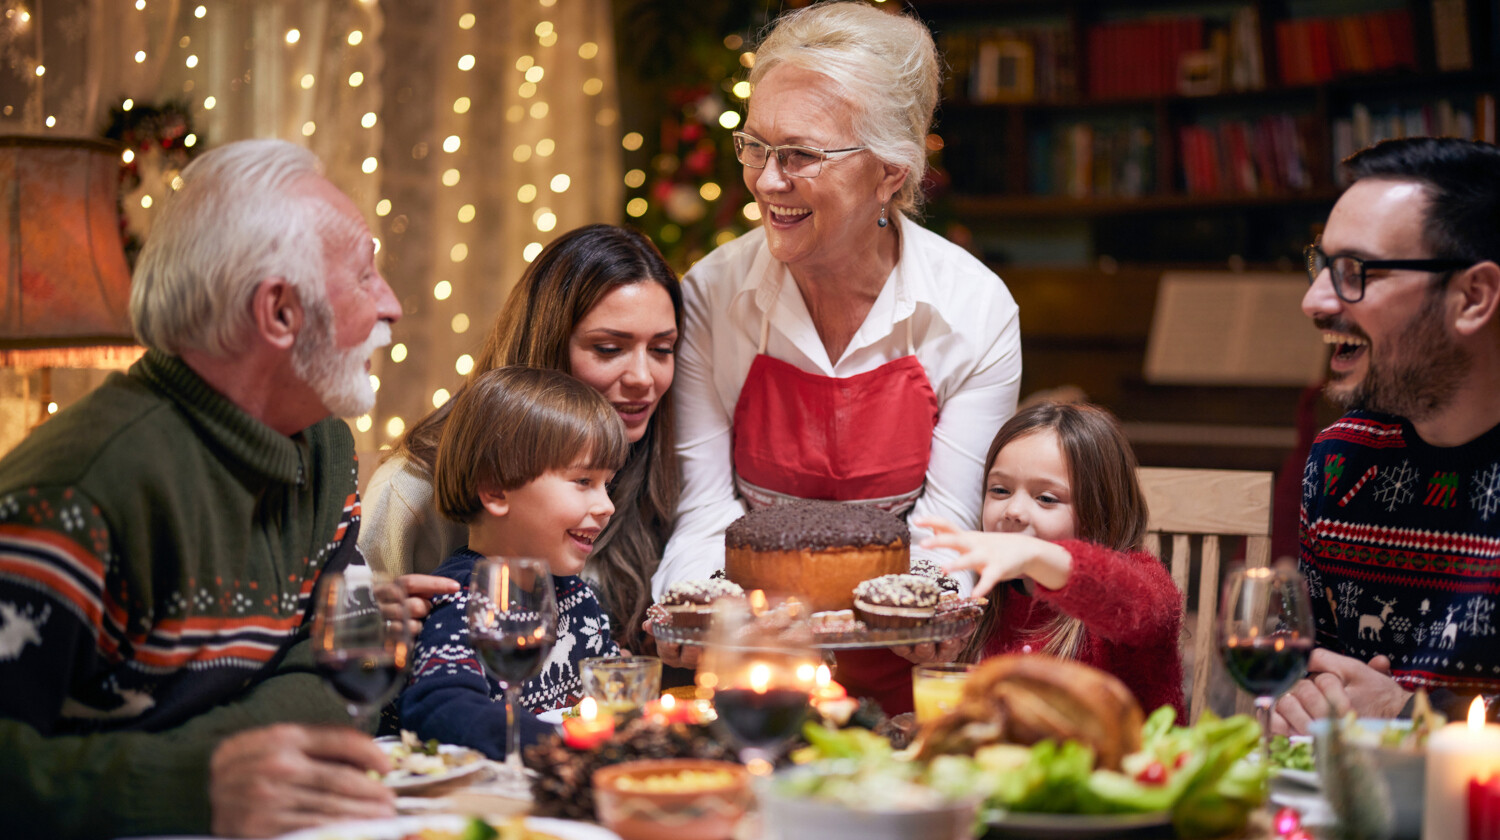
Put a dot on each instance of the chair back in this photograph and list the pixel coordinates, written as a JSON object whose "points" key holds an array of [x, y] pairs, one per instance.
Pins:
{"points": [[1215, 508]]}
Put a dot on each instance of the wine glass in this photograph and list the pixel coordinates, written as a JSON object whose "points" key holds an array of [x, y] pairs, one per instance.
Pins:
{"points": [[761, 683], [512, 618], [361, 638], [1266, 635]]}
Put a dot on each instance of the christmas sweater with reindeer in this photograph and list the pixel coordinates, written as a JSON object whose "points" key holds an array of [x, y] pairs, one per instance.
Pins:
{"points": [[449, 696], [1401, 549]]}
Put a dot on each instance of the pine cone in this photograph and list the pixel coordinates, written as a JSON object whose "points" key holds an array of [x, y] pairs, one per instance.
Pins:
{"points": [[563, 786]]}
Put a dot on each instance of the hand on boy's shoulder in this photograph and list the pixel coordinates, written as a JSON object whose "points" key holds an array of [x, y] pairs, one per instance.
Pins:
{"points": [[420, 590]]}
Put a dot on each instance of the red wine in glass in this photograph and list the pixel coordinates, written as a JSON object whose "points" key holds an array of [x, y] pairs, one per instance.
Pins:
{"points": [[762, 719], [1265, 634], [1269, 665], [511, 615], [513, 660], [361, 678], [361, 640]]}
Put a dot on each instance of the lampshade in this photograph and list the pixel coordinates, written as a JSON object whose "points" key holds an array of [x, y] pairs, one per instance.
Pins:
{"points": [[67, 286]]}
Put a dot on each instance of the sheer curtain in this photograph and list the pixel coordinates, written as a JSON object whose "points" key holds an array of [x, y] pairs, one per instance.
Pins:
{"points": [[470, 131]]}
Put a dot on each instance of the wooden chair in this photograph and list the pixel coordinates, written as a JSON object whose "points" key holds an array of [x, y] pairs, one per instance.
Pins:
{"points": [[1212, 505]]}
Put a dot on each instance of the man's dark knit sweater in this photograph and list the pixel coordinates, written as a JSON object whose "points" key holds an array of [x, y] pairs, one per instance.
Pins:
{"points": [[158, 551], [1401, 548]]}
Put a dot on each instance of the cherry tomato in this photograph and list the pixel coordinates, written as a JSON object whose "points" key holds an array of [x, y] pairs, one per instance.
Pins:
{"points": [[1154, 774]]}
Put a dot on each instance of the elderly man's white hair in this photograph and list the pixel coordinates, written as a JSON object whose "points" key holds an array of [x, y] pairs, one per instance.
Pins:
{"points": [[241, 216]]}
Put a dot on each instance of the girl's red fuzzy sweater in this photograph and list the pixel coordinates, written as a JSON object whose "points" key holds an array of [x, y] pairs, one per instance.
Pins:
{"points": [[1132, 617]]}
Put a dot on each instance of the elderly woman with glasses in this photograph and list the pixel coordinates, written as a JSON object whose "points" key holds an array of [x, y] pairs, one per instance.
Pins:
{"points": [[841, 351]]}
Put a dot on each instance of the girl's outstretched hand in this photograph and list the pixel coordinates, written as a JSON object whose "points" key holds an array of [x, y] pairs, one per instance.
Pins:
{"points": [[999, 557]]}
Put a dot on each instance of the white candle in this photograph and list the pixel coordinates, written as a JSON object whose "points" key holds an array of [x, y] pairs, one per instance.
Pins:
{"points": [[1456, 754]]}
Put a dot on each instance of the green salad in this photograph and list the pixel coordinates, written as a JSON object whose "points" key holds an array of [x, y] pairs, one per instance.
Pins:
{"points": [[1287, 755], [1196, 773]]}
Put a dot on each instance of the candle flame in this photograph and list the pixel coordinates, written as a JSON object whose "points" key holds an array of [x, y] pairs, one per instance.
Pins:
{"points": [[757, 601], [1280, 643], [824, 676], [805, 672], [588, 709], [1476, 713], [760, 677], [668, 702]]}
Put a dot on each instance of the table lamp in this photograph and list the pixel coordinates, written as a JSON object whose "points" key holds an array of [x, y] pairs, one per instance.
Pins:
{"points": [[67, 286]]}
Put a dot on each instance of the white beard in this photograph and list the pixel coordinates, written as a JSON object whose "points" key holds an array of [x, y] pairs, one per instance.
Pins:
{"points": [[338, 377]]}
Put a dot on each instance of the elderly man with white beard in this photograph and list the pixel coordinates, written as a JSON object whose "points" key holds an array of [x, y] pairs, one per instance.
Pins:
{"points": [[160, 540]]}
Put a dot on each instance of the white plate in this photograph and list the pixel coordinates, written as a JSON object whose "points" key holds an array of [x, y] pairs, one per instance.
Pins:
{"points": [[402, 826], [1078, 826], [552, 716], [1305, 778], [408, 783]]}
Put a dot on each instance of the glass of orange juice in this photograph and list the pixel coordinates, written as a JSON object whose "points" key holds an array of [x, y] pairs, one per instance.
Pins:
{"points": [[936, 688]]}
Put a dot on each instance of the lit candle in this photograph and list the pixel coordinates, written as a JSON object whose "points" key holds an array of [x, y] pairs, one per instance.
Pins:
{"points": [[826, 687], [1458, 755], [668, 710], [589, 729]]}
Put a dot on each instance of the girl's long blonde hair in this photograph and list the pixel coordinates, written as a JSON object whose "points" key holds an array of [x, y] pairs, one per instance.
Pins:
{"points": [[1108, 504]]}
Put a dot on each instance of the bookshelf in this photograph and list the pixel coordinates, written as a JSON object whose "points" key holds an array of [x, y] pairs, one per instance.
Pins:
{"points": [[1086, 146]]}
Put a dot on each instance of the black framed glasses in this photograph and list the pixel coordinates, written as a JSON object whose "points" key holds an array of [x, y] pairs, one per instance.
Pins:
{"points": [[1348, 273], [797, 161]]}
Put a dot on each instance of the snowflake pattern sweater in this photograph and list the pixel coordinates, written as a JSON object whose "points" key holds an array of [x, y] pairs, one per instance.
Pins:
{"points": [[1132, 616], [451, 698], [1401, 549]]}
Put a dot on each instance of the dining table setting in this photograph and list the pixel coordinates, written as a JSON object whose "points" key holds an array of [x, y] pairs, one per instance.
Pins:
{"points": [[767, 745]]}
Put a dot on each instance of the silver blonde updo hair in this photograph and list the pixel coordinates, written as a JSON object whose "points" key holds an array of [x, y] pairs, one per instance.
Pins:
{"points": [[886, 67], [238, 218]]}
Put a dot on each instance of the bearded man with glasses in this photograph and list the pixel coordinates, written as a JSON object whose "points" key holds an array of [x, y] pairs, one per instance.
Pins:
{"points": [[842, 351], [1401, 497]]}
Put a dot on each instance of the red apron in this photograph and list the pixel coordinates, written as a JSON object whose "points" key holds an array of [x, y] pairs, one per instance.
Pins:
{"points": [[864, 438]]}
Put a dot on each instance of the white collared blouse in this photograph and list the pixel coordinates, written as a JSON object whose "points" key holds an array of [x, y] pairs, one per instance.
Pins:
{"points": [[965, 328]]}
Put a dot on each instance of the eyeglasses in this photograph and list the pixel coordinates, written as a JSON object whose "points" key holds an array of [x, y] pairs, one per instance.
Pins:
{"points": [[1348, 273], [797, 161]]}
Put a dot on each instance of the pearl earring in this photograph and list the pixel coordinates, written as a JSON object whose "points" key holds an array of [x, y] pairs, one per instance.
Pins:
{"points": [[881, 221]]}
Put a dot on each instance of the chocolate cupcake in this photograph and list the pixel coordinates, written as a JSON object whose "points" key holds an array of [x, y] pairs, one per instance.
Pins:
{"points": [[896, 601], [690, 603], [924, 567]]}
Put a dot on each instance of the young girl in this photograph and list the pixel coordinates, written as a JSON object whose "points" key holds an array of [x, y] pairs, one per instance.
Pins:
{"points": [[524, 464], [1063, 520], [601, 304]]}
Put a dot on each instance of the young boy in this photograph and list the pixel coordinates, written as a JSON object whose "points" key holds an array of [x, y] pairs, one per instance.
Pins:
{"points": [[525, 461]]}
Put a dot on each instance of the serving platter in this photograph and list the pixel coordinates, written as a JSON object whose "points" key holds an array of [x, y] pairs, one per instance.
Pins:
{"points": [[938, 630]]}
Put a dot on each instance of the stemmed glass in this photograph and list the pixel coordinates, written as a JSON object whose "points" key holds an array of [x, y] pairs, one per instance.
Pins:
{"points": [[361, 638], [761, 683], [512, 618], [1266, 635]]}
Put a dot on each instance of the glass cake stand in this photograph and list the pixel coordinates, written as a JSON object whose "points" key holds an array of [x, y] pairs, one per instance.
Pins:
{"points": [[938, 630]]}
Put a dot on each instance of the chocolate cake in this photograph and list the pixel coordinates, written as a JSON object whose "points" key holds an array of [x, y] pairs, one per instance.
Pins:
{"points": [[818, 551]]}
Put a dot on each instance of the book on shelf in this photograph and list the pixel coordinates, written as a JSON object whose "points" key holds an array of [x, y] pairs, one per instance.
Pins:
{"points": [[1087, 160], [1313, 50], [1266, 156], [1010, 64], [1368, 124], [1246, 55], [1450, 35], [1142, 58]]}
